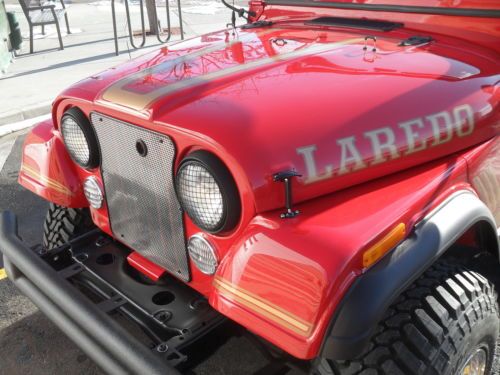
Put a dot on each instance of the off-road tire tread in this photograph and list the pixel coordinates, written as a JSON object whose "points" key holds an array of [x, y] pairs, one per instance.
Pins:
{"points": [[62, 224], [422, 330]]}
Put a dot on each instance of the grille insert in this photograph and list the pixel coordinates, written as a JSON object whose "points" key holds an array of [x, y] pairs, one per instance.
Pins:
{"points": [[139, 190]]}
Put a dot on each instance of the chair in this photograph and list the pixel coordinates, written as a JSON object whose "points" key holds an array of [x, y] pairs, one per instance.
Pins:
{"points": [[39, 14]]}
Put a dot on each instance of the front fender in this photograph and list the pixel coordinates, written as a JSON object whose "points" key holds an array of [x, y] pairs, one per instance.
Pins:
{"points": [[285, 279], [47, 170], [373, 292]]}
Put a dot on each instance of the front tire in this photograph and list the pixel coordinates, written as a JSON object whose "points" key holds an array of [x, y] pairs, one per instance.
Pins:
{"points": [[63, 224], [444, 322]]}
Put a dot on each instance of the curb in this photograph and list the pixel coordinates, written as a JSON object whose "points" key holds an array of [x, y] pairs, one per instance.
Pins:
{"points": [[18, 115], [17, 126]]}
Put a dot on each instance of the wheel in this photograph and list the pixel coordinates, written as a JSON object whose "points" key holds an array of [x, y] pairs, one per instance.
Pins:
{"points": [[63, 223], [446, 323]]}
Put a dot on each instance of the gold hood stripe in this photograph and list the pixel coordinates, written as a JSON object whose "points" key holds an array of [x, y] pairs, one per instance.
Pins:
{"points": [[44, 180], [263, 307], [118, 95]]}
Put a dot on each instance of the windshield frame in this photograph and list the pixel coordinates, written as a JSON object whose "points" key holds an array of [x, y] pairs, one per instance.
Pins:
{"points": [[463, 12]]}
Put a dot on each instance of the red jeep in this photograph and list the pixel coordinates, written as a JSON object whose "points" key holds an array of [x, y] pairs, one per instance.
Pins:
{"points": [[327, 176]]}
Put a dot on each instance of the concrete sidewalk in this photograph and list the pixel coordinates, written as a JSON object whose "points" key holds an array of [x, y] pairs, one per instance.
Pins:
{"points": [[33, 81]]}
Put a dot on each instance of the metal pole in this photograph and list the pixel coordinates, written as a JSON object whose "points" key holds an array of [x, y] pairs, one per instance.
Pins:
{"points": [[113, 13], [180, 18], [169, 33], [129, 24], [130, 32]]}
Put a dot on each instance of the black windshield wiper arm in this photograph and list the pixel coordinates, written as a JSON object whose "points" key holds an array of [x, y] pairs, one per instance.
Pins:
{"points": [[239, 11]]}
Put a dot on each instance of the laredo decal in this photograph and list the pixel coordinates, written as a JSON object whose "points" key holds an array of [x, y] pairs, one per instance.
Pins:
{"points": [[120, 93], [419, 134]]}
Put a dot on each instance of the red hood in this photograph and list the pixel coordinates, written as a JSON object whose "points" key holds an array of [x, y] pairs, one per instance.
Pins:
{"points": [[313, 100]]}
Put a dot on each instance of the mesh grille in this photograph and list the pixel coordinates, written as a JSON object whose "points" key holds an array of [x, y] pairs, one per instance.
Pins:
{"points": [[139, 190], [200, 195]]}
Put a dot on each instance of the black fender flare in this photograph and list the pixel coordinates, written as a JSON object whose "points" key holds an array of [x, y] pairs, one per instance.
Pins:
{"points": [[372, 293]]}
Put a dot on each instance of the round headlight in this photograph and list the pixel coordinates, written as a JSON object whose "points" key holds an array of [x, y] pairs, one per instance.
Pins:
{"points": [[202, 254], [79, 138], [207, 192]]}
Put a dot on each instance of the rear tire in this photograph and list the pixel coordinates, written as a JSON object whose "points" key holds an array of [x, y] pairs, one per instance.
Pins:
{"points": [[434, 327], [63, 224]]}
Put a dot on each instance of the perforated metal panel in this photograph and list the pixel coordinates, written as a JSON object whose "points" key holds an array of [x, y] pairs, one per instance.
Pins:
{"points": [[139, 190]]}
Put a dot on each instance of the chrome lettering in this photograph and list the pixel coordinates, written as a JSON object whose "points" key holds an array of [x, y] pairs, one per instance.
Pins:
{"points": [[387, 143], [412, 135], [378, 145], [464, 120], [445, 119], [349, 154], [312, 172]]}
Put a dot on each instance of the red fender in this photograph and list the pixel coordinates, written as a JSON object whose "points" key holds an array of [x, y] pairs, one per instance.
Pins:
{"points": [[283, 279], [47, 170]]}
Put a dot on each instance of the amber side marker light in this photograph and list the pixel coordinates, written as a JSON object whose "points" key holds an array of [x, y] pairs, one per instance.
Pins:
{"points": [[382, 247]]}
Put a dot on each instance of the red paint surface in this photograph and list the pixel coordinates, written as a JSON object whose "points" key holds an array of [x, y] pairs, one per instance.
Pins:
{"points": [[256, 118], [305, 265], [480, 31], [399, 85], [484, 174], [145, 266], [46, 154]]}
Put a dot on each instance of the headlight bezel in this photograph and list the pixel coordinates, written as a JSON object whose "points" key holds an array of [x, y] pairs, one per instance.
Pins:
{"points": [[231, 203], [81, 120]]}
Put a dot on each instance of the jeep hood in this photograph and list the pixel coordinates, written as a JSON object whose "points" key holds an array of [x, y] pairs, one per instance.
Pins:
{"points": [[335, 106]]}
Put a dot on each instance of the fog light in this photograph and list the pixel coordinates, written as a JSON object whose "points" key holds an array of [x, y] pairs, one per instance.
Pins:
{"points": [[202, 254], [93, 192]]}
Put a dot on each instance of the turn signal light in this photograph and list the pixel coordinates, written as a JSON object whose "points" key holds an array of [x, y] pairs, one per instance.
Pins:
{"points": [[377, 251], [203, 254], [93, 192]]}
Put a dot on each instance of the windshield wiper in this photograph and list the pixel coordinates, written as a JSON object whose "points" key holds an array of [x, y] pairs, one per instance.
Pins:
{"points": [[238, 11]]}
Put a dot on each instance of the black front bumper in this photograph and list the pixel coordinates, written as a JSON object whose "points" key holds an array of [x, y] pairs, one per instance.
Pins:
{"points": [[83, 286]]}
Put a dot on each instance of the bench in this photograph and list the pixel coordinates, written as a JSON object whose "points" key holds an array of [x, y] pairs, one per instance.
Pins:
{"points": [[39, 14]]}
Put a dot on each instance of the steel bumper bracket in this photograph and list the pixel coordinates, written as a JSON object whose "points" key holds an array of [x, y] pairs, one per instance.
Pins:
{"points": [[114, 349]]}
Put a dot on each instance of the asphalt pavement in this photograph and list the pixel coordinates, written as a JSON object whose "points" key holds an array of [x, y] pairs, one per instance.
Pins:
{"points": [[31, 344]]}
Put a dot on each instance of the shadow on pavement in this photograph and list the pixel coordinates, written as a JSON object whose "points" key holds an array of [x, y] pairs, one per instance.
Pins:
{"points": [[33, 345]]}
